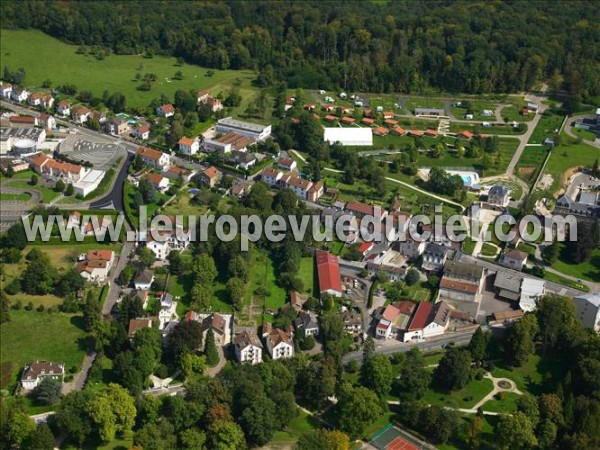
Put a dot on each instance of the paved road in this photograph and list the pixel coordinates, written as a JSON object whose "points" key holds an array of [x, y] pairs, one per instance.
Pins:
{"points": [[80, 377], [122, 261], [524, 139], [391, 347], [115, 198]]}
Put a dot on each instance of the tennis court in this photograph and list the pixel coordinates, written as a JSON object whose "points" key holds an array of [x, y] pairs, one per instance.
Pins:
{"points": [[391, 438]]}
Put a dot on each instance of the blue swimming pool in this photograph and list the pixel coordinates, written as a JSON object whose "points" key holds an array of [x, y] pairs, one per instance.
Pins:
{"points": [[193, 191], [467, 180]]}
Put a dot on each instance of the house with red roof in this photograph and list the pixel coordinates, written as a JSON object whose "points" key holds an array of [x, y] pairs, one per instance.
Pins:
{"points": [[367, 121], [189, 146], [348, 120], [154, 158], [398, 131], [393, 320], [158, 181], [330, 118], [81, 114], [431, 133], [328, 270], [387, 114], [391, 123], [96, 264], [142, 132], [380, 131], [465, 135], [165, 111], [416, 133], [210, 176], [64, 108], [429, 320]]}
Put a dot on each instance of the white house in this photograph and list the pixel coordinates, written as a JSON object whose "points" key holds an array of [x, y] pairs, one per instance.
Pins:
{"points": [[19, 95], [434, 256], [189, 146], [270, 176], [96, 265], [6, 90], [165, 110], [154, 158], [64, 108], [34, 373], [428, 321], [280, 344], [515, 259], [286, 163], [160, 182], [587, 309], [144, 280], [81, 114], [142, 132], [167, 312], [171, 241], [54, 170], [248, 348]]}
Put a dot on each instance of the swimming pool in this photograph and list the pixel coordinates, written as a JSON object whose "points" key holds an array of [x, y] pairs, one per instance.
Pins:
{"points": [[193, 191]]}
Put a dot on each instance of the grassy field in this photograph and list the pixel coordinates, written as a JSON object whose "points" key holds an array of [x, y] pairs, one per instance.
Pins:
{"points": [[306, 274], [506, 403], [301, 424], [88, 73], [535, 376], [585, 134], [513, 114], [47, 194], [57, 337], [24, 197], [546, 127], [530, 162], [587, 270], [463, 398], [570, 154]]}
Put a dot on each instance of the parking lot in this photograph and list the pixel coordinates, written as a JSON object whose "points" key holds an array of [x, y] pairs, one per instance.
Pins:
{"points": [[102, 156]]}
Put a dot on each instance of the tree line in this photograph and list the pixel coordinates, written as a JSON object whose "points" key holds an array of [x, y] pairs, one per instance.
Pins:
{"points": [[476, 47]]}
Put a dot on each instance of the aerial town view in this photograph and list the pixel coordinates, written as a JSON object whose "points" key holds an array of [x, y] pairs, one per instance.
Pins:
{"points": [[300, 225]]}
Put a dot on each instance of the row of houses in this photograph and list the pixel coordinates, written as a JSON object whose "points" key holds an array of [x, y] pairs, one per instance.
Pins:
{"points": [[84, 179], [304, 189]]}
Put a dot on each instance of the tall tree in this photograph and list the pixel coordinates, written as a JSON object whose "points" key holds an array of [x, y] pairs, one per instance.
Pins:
{"points": [[478, 346], [454, 370], [210, 349], [378, 375], [515, 431]]}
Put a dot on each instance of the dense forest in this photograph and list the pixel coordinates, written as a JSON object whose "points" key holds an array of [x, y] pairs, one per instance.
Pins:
{"points": [[400, 46]]}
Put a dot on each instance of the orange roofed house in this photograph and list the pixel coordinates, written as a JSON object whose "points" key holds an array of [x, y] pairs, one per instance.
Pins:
{"points": [[95, 265], [210, 176], [328, 269], [154, 158], [55, 170]]}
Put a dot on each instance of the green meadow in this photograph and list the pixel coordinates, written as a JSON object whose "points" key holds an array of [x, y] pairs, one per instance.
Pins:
{"points": [[46, 58]]}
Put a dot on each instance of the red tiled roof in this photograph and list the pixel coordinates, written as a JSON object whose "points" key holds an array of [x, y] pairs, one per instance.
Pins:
{"points": [[466, 134], [405, 307], [380, 131], [211, 172], [390, 313], [419, 320], [431, 132], [22, 119], [330, 118], [348, 120], [360, 208], [416, 133], [99, 255], [368, 121], [329, 272], [154, 178], [150, 153], [143, 129], [167, 108], [457, 285], [186, 141], [390, 122]]}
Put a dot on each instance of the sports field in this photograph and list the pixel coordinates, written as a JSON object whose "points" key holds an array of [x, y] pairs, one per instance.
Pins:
{"points": [[46, 58], [392, 438]]}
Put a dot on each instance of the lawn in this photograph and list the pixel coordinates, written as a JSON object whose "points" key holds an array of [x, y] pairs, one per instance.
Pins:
{"points": [[468, 246], [513, 114], [24, 197], [47, 194], [181, 206], [86, 72], [466, 397], [536, 376], [546, 127], [301, 424], [585, 134], [565, 281], [568, 155], [263, 275], [530, 162], [527, 248], [507, 404], [488, 249], [58, 337], [306, 274], [132, 207], [587, 270]]}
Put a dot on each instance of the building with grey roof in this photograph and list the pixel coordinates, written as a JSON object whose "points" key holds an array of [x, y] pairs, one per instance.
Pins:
{"points": [[252, 130]]}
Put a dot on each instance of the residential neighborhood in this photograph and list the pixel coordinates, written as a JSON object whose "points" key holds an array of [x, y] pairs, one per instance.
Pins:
{"points": [[299, 226]]}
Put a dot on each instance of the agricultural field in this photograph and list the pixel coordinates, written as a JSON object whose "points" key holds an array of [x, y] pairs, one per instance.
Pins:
{"points": [[57, 337], [530, 162], [22, 48]]}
